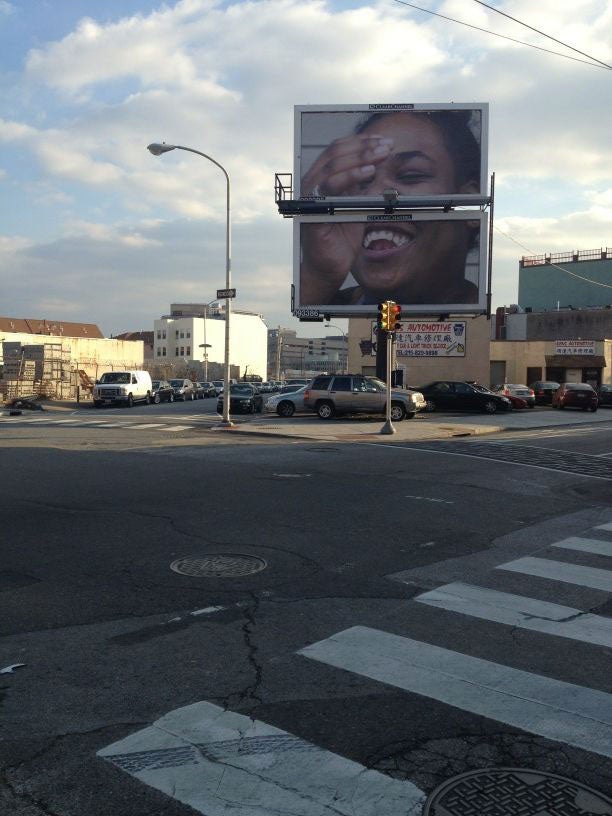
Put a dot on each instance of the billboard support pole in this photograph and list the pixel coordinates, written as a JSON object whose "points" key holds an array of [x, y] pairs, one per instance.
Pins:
{"points": [[388, 428], [490, 258]]}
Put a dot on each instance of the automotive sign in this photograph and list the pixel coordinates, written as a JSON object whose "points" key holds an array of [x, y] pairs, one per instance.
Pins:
{"points": [[427, 338], [575, 347]]}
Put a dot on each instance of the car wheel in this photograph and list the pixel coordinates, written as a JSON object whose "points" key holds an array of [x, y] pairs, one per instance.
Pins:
{"points": [[531, 404], [325, 410], [490, 407], [593, 408], [157, 399], [193, 396], [560, 406], [171, 398], [430, 406], [130, 401], [285, 409], [260, 408], [397, 412]]}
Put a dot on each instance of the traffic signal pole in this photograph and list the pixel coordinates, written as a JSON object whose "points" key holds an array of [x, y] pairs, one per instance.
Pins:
{"points": [[388, 428]]}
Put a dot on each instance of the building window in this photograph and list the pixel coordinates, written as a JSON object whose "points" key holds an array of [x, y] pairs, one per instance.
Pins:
{"points": [[188, 351], [188, 334], [176, 333], [176, 352], [163, 334], [159, 334], [182, 335], [164, 351], [159, 352], [182, 351]]}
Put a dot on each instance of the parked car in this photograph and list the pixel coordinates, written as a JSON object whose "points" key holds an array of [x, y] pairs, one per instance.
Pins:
{"points": [[459, 395], [285, 405], [605, 395], [122, 388], [244, 399], [518, 403], [543, 391], [183, 389], [299, 381], [162, 392], [329, 395], [575, 395], [512, 390], [208, 389], [218, 386]]}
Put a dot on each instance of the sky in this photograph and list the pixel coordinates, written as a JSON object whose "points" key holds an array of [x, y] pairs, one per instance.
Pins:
{"points": [[95, 229]]}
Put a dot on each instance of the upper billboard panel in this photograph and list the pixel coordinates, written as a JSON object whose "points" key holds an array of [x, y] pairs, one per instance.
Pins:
{"points": [[426, 152], [429, 262]]}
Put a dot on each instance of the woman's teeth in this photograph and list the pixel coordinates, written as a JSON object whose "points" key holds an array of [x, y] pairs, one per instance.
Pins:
{"points": [[397, 239]]}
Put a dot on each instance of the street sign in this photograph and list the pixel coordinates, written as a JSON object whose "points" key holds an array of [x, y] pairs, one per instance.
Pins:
{"points": [[226, 293]]}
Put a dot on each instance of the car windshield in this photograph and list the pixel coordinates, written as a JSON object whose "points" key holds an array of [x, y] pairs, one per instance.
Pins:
{"points": [[176, 383], [375, 383], [218, 383], [483, 389], [116, 377], [577, 387], [155, 383], [241, 390], [606, 388]]}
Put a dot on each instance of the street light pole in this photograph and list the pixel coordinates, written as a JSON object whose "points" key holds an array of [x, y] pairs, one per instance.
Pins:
{"points": [[157, 150]]}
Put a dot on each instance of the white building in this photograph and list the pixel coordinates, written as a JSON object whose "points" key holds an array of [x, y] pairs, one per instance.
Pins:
{"points": [[179, 337]]}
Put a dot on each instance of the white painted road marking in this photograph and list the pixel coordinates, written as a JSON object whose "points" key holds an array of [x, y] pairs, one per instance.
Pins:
{"points": [[553, 709], [177, 428], [519, 611], [561, 571], [219, 762], [607, 526], [588, 545]]}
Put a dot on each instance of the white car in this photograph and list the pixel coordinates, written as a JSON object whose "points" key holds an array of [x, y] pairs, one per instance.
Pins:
{"points": [[285, 405]]}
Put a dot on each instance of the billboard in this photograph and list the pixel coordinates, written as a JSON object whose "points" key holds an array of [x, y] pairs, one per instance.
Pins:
{"points": [[433, 152], [429, 262]]}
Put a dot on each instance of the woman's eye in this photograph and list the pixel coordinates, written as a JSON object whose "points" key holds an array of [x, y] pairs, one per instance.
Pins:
{"points": [[413, 177]]}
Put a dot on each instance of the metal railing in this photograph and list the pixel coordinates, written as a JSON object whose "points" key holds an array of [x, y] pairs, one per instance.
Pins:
{"points": [[602, 253]]}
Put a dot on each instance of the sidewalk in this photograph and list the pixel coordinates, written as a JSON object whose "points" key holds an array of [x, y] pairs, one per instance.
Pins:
{"points": [[423, 426]]}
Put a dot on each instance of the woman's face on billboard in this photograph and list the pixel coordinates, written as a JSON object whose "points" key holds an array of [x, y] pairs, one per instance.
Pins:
{"points": [[403, 258], [417, 161]]}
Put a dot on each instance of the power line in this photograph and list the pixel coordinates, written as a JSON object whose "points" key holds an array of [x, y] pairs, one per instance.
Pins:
{"points": [[502, 36], [567, 271], [537, 30]]}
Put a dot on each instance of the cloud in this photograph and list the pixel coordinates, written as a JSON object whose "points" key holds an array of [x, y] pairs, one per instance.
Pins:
{"points": [[6, 8]]}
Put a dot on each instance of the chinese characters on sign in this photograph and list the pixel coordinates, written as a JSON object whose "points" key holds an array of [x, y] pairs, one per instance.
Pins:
{"points": [[575, 347], [429, 338]]}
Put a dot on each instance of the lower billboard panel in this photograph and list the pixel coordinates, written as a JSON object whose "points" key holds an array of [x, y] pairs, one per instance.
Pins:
{"points": [[428, 262]]}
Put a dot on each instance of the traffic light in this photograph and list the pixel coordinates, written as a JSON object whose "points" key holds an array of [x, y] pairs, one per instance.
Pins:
{"points": [[395, 315], [384, 315]]}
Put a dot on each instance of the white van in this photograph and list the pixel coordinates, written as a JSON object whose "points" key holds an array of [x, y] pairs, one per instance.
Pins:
{"points": [[122, 388]]}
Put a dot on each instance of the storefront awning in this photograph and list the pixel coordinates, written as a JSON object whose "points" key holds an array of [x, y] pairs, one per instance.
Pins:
{"points": [[575, 361]]}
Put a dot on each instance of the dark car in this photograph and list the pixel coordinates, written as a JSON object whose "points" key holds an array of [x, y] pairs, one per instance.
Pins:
{"points": [[183, 389], [162, 391], [605, 395], [205, 390], [543, 391], [575, 395], [459, 395], [244, 399]]}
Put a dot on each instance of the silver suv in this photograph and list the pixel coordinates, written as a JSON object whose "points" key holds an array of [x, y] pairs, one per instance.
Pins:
{"points": [[329, 395]]}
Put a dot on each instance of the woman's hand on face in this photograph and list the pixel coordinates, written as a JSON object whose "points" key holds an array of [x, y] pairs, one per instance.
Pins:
{"points": [[345, 165], [328, 251]]}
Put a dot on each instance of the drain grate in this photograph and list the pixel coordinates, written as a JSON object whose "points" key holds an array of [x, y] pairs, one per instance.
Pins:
{"points": [[515, 792], [220, 565]]}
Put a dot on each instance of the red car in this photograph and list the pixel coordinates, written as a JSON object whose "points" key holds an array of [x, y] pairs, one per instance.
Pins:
{"points": [[517, 402], [575, 395]]}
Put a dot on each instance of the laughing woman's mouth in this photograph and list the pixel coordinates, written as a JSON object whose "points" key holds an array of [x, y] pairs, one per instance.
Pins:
{"points": [[380, 243]]}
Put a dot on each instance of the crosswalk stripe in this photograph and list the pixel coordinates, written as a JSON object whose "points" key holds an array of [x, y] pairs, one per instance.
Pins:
{"points": [[145, 425], [562, 571], [177, 428], [541, 705], [607, 526], [219, 762], [588, 545], [520, 611]]}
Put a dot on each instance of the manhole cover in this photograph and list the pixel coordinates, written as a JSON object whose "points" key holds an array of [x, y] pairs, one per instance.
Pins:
{"points": [[226, 565], [515, 792]]}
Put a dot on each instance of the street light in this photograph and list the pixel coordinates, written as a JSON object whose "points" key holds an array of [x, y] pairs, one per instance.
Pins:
{"points": [[205, 346], [333, 326], [157, 150]]}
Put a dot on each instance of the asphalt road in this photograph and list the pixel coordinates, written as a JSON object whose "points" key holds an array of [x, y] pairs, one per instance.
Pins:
{"points": [[384, 570]]}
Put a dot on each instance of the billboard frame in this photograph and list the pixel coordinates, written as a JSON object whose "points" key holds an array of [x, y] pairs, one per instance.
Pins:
{"points": [[412, 202], [311, 311]]}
